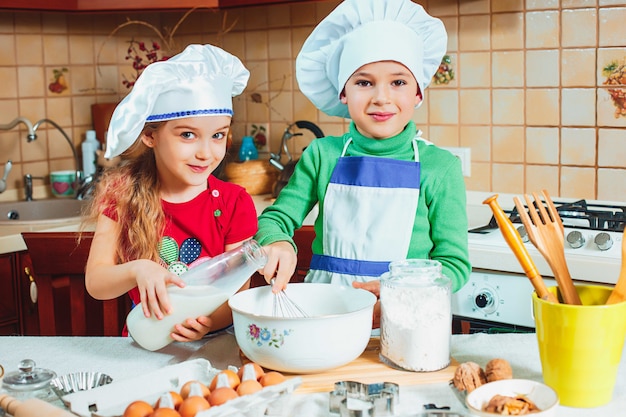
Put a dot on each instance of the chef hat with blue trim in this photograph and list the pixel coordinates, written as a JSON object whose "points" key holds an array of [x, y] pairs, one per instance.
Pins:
{"points": [[200, 81], [359, 32]]}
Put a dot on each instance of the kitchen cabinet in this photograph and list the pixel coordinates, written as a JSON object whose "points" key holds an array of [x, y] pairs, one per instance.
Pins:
{"points": [[9, 315], [124, 5]]}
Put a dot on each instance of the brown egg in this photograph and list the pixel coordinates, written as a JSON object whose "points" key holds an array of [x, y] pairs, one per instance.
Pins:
{"points": [[233, 379], [184, 390], [165, 412], [220, 395], [177, 399], [257, 369], [249, 386], [138, 409], [193, 405], [272, 378]]}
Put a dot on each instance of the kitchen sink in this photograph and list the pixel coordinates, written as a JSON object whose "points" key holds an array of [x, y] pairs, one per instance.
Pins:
{"points": [[40, 211]]}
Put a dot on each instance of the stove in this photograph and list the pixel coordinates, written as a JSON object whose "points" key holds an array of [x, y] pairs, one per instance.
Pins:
{"points": [[498, 295]]}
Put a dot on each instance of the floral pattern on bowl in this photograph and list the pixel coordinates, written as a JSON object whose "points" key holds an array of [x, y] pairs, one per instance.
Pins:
{"points": [[264, 336]]}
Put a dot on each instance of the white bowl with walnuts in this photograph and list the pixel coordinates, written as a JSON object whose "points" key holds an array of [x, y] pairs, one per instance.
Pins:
{"points": [[493, 391]]}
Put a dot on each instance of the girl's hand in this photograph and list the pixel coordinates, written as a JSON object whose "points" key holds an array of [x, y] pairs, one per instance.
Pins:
{"points": [[152, 281], [281, 264], [191, 329], [374, 288]]}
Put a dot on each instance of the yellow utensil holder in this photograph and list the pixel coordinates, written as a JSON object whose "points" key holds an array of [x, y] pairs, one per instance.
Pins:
{"points": [[581, 346]]}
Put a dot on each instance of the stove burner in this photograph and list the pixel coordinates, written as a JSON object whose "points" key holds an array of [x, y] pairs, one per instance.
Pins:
{"points": [[578, 214]]}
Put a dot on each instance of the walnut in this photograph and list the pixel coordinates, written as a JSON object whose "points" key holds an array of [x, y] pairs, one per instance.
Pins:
{"points": [[468, 376], [510, 406], [498, 369]]}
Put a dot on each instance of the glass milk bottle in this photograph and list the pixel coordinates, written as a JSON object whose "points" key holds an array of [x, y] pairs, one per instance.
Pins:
{"points": [[416, 315], [209, 285]]}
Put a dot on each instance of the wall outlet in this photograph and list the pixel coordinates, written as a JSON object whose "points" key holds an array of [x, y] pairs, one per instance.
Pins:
{"points": [[465, 156], [259, 131]]}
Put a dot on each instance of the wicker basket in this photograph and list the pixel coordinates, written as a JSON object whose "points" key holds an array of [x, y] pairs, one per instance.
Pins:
{"points": [[257, 177]]}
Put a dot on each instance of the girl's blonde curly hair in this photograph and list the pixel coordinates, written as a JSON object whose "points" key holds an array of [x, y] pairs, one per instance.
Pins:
{"points": [[132, 191]]}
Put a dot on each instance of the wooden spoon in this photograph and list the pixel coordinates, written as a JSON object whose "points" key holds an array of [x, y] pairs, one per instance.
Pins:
{"points": [[619, 292]]}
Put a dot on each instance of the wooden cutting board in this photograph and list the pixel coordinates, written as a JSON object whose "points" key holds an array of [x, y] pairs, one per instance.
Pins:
{"points": [[369, 369]]}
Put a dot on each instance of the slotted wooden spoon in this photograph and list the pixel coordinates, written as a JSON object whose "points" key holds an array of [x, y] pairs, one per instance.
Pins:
{"points": [[619, 292], [546, 232]]}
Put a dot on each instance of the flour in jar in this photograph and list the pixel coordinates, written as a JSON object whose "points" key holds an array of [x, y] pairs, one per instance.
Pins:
{"points": [[416, 326]]}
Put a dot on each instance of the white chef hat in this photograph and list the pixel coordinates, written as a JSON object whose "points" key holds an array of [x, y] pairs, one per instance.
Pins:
{"points": [[360, 32], [200, 81]]}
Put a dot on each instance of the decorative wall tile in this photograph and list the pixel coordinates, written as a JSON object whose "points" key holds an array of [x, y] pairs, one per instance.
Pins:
{"points": [[573, 21], [578, 146], [607, 113]]}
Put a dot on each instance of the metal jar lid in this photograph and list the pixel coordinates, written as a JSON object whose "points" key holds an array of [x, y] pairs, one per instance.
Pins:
{"points": [[28, 377]]}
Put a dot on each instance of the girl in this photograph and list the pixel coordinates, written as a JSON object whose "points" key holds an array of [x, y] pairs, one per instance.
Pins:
{"points": [[161, 211]]}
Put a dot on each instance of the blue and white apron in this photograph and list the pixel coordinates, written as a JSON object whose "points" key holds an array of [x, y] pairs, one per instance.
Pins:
{"points": [[369, 213]]}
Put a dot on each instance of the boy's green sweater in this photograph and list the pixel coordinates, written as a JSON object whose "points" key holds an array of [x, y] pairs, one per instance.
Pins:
{"points": [[440, 228]]}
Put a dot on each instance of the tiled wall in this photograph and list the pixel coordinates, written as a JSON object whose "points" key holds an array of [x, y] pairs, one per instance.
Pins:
{"points": [[528, 97]]}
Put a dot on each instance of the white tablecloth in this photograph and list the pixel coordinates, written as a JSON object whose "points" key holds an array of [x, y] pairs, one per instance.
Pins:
{"points": [[121, 358]]}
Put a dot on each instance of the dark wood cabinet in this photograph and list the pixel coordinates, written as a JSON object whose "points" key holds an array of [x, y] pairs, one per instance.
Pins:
{"points": [[9, 314], [125, 5]]}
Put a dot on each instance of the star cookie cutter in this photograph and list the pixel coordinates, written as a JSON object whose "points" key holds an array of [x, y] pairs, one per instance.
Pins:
{"points": [[355, 399]]}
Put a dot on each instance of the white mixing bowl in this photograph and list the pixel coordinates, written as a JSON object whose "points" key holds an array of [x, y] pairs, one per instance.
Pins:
{"points": [[336, 330]]}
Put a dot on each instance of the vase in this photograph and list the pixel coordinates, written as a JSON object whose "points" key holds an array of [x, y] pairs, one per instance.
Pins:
{"points": [[248, 151]]}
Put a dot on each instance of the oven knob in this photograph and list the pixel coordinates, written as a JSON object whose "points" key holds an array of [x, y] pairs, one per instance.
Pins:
{"points": [[522, 233], [603, 241], [575, 239], [484, 299]]}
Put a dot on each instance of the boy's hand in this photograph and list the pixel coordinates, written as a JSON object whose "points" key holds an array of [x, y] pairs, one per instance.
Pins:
{"points": [[281, 264], [152, 281], [191, 329], [374, 288]]}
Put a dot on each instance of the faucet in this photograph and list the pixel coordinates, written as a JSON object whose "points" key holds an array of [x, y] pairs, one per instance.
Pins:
{"points": [[28, 186], [3, 181], [31, 130]]}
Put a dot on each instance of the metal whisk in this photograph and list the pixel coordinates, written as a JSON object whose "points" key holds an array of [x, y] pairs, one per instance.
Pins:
{"points": [[283, 306]]}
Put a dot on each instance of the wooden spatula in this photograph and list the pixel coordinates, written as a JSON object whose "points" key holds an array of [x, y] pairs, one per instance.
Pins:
{"points": [[619, 292]]}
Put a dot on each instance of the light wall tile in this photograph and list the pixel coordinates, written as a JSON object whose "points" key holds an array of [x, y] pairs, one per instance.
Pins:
{"points": [[542, 29], [578, 3], [27, 22], [573, 21], [235, 44], [303, 14], [578, 182], [542, 177], [474, 69], [508, 106], [106, 79], [81, 115], [256, 45], [259, 76], [29, 49], [507, 5], [481, 177], [55, 50], [474, 33], [542, 4], [279, 16], [580, 109], [443, 135], [33, 109], [478, 139], [507, 178], [30, 81], [578, 67], [59, 110], [578, 146], [474, 7], [452, 28], [280, 106], [542, 68], [611, 184], [54, 23], [475, 106], [612, 30], [281, 75], [10, 148], [508, 144], [612, 150], [303, 109], [542, 145], [507, 69], [6, 23], [420, 115], [279, 44], [542, 107], [443, 8], [7, 50], [507, 31], [81, 49], [443, 106], [82, 79], [9, 77]]}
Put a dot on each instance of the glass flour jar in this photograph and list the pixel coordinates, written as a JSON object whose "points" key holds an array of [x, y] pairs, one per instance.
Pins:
{"points": [[416, 315]]}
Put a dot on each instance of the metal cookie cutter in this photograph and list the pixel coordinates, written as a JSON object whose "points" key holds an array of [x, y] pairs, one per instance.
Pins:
{"points": [[355, 399]]}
